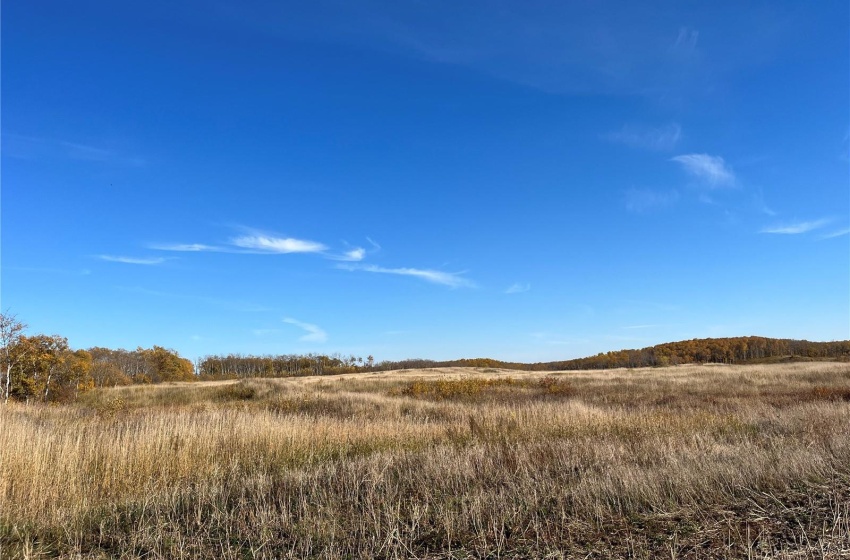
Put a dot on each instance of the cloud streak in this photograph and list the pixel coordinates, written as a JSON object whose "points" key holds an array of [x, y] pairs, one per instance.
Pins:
{"points": [[838, 233], [33, 147], [796, 228], [314, 332], [264, 332], [686, 41], [643, 200], [450, 279], [255, 242], [282, 245], [187, 247], [709, 170], [354, 255], [518, 288], [132, 260], [657, 139]]}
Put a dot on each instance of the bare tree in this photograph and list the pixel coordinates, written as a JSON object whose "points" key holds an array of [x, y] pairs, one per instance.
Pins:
{"points": [[11, 331]]}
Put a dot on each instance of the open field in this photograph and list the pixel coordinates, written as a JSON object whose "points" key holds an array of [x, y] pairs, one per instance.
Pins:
{"points": [[680, 462]]}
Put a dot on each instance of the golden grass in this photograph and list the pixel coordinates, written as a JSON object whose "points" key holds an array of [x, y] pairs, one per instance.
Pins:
{"points": [[684, 462]]}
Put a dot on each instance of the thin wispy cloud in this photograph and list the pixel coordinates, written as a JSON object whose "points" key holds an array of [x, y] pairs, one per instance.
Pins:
{"points": [[709, 170], [353, 255], [314, 332], [557, 47], [657, 139], [706, 199], [838, 233], [686, 41], [255, 242], [451, 279], [357, 254], [186, 247], [283, 245], [797, 228], [644, 200], [132, 260], [264, 332], [518, 288], [84, 152], [761, 205], [34, 148]]}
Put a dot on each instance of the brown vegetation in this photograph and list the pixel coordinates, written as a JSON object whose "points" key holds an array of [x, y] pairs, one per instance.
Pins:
{"points": [[736, 350], [733, 350], [42, 368], [684, 462]]}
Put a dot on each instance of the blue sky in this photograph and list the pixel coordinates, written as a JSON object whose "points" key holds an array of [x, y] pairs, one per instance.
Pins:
{"points": [[522, 180]]}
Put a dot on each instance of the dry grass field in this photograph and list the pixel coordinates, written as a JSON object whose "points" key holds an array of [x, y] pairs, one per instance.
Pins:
{"points": [[680, 462]]}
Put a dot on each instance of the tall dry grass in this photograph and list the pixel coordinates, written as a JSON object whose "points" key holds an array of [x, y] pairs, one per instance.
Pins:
{"points": [[685, 462]]}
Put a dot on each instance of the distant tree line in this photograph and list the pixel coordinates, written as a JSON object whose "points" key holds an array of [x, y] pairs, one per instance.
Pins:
{"points": [[736, 350], [238, 366], [42, 368]]}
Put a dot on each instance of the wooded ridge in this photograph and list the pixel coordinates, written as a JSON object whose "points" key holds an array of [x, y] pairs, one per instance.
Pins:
{"points": [[44, 368]]}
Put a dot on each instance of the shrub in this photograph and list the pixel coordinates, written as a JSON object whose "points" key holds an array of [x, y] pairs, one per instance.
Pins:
{"points": [[831, 393], [236, 392], [443, 389], [554, 386]]}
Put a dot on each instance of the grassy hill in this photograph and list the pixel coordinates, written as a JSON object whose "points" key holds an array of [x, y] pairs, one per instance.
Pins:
{"points": [[737, 350]]}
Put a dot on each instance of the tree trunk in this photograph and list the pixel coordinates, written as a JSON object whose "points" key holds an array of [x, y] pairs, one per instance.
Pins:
{"points": [[47, 385], [8, 382]]}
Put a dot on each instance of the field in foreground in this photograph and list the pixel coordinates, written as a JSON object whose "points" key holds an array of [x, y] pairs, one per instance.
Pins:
{"points": [[684, 462]]}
